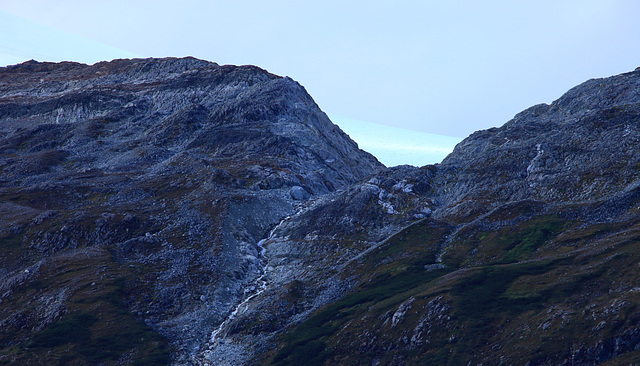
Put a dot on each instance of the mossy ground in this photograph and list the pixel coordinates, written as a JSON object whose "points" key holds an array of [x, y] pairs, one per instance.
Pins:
{"points": [[65, 302], [92, 327]]}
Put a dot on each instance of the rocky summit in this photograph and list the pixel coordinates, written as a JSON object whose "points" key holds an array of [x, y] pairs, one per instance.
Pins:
{"points": [[174, 211]]}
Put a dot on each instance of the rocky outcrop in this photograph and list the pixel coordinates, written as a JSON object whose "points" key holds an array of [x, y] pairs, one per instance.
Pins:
{"points": [[582, 147]]}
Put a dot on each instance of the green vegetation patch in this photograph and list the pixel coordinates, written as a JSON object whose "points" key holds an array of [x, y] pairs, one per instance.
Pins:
{"points": [[73, 328], [482, 293], [308, 343], [391, 274], [94, 327], [532, 236], [507, 245], [416, 246], [83, 338]]}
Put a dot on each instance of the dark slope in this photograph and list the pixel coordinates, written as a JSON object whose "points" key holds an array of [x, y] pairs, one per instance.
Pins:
{"points": [[132, 196]]}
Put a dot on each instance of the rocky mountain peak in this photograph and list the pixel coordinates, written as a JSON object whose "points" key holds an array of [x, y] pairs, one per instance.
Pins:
{"points": [[153, 110], [566, 151], [165, 173]]}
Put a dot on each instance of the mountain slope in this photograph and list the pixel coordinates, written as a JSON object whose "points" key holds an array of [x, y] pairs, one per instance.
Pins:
{"points": [[520, 248], [133, 194]]}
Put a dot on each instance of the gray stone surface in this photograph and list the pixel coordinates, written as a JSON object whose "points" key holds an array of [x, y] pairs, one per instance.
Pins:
{"points": [[298, 193]]}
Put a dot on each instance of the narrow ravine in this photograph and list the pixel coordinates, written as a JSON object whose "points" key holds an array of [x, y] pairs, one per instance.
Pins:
{"points": [[217, 339], [222, 351], [250, 293]]}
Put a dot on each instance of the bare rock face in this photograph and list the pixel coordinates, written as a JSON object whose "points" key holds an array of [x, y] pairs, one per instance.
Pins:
{"points": [[151, 111], [582, 147], [133, 192]]}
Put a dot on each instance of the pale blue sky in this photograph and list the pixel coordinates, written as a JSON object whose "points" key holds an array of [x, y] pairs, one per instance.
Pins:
{"points": [[396, 146], [441, 67]]}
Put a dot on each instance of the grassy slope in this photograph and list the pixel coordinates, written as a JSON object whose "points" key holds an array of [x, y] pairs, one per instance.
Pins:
{"points": [[93, 327], [69, 308], [545, 286]]}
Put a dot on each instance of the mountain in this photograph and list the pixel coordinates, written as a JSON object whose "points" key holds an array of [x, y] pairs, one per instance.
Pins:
{"points": [[520, 248], [177, 211], [133, 194]]}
